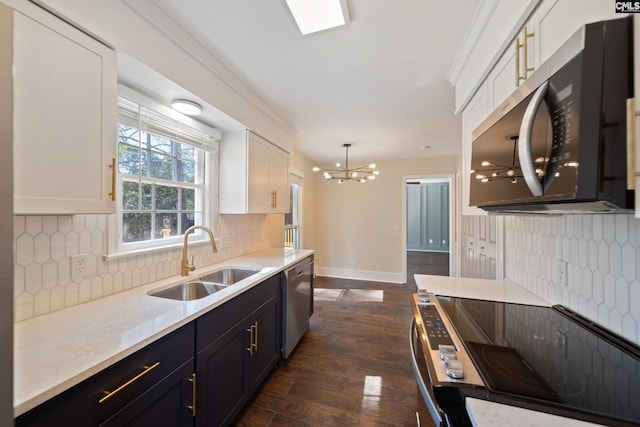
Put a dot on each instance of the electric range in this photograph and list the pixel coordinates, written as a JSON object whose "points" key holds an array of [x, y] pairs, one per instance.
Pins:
{"points": [[547, 359]]}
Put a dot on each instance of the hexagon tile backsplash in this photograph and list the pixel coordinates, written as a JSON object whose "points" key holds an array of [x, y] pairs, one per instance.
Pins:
{"points": [[44, 246], [602, 253]]}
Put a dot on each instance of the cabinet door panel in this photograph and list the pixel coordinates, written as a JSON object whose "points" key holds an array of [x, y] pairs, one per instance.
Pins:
{"points": [[221, 368], [268, 340], [279, 174], [259, 188], [556, 20], [64, 117]]}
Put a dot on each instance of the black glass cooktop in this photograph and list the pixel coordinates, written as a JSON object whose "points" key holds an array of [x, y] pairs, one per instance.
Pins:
{"points": [[549, 355]]}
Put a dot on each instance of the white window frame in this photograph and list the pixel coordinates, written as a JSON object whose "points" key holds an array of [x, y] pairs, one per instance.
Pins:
{"points": [[295, 179], [207, 177]]}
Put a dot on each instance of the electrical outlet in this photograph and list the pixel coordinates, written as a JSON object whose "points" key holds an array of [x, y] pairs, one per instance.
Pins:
{"points": [[560, 340], [79, 266], [560, 272]]}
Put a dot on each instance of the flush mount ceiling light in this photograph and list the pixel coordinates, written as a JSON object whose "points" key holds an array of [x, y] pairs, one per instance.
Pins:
{"points": [[317, 15], [343, 173], [187, 107]]}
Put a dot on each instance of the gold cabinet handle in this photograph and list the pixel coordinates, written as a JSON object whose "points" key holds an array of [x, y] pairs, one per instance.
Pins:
{"points": [[147, 369], [255, 338], [525, 51], [250, 348], [274, 199], [631, 143], [113, 179], [517, 67], [192, 380]]}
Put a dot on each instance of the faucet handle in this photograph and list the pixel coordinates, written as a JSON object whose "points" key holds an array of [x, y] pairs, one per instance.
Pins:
{"points": [[192, 266]]}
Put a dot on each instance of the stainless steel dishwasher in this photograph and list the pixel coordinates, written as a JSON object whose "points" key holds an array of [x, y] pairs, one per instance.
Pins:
{"points": [[297, 304]]}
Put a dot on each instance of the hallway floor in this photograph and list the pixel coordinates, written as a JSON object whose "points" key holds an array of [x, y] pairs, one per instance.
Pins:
{"points": [[422, 262], [352, 368]]}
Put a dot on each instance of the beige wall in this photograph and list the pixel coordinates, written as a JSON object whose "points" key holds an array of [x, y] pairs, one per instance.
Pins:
{"points": [[359, 227]]}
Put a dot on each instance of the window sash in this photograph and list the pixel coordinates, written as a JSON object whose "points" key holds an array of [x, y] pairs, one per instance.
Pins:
{"points": [[145, 120]]}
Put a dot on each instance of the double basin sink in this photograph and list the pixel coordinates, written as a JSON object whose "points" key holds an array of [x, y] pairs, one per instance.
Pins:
{"points": [[205, 285]]}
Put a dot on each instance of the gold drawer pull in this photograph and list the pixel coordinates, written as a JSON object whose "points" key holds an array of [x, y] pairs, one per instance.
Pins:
{"points": [[250, 348], [113, 179], [192, 380], [109, 394], [255, 339]]}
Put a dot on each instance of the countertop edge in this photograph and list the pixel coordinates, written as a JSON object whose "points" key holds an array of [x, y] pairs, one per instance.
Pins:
{"points": [[484, 413], [31, 337]]}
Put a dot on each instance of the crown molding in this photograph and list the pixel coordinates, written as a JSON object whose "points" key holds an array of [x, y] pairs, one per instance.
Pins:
{"points": [[164, 18]]}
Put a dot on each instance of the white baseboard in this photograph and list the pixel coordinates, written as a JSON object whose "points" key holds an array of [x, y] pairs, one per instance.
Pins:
{"points": [[373, 276]]}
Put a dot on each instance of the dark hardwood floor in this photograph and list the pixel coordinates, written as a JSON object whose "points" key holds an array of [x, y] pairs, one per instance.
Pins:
{"points": [[353, 366], [419, 262]]}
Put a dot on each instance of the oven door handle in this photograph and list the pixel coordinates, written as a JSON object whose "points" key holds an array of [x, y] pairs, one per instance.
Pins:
{"points": [[437, 414], [526, 139]]}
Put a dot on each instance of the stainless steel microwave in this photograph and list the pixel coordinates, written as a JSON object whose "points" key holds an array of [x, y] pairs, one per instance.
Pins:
{"points": [[558, 143]]}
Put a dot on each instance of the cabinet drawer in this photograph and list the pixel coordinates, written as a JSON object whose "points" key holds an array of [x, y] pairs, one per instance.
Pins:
{"points": [[213, 324], [126, 380]]}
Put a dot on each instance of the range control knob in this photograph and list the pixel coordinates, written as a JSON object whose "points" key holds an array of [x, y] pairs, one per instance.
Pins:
{"points": [[447, 352], [454, 368]]}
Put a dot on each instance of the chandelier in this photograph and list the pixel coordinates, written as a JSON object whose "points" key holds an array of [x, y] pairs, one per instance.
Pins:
{"points": [[343, 173], [495, 171]]}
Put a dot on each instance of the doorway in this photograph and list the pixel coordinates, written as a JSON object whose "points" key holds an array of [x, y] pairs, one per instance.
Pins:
{"points": [[428, 226]]}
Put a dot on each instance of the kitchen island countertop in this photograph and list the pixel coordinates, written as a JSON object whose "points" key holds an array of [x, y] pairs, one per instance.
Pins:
{"points": [[492, 290], [58, 350]]}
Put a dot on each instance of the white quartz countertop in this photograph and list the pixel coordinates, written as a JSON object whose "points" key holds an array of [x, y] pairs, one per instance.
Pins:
{"points": [[59, 350], [485, 414], [491, 290]]}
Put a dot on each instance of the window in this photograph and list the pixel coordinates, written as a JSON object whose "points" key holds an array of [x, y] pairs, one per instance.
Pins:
{"points": [[161, 173], [292, 219]]}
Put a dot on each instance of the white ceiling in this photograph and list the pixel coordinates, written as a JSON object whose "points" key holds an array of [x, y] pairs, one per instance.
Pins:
{"points": [[378, 83]]}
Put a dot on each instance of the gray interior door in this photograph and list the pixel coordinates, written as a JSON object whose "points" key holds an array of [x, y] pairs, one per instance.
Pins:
{"points": [[428, 216]]}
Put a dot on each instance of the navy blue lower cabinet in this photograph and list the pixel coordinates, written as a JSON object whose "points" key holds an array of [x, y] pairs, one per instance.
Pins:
{"points": [[151, 384], [168, 403], [215, 362], [238, 344]]}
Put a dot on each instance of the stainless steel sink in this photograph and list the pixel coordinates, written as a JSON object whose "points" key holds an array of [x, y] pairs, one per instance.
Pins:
{"points": [[229, 276], [206, 285], [189, 291]]}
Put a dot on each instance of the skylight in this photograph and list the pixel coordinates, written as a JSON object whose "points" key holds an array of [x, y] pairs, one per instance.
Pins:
{"points": [[317, 15]]}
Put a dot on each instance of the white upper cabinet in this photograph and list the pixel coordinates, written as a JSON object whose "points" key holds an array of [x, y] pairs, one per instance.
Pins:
{"points": [[64, 116], [551, 24], [254, 175], [538, 27], [554, 21]]}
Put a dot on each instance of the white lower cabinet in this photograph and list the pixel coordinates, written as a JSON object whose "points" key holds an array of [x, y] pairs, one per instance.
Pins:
{"points": [[64, 116], [254, 175]]}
